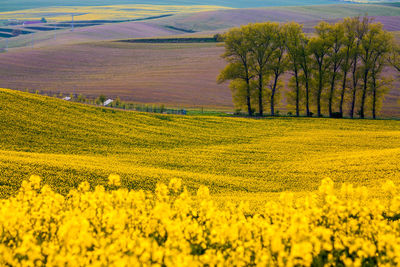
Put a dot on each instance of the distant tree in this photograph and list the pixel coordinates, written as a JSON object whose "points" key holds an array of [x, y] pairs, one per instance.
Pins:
{"points": [[335, 58], [278, 65], [218, 37], [43, 20], [349, 41], [294, 33], [101, 99], [394, 56], [306, 67], [237, 53], [117, 102], [263, 43], [81, 98], [380, 86], [239, 91], [320, 46], [361, 28], [374, 49]]}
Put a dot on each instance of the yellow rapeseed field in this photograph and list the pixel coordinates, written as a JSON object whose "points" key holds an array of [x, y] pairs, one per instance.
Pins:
{"points": [[117, 227], [91, 186], [237, 158]]}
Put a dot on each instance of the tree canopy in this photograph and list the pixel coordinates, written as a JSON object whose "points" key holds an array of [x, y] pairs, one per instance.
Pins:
{"points": [[339, 68]]}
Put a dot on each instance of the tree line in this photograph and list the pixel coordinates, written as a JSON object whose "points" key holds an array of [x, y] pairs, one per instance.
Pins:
{"points": [[337, 69]]}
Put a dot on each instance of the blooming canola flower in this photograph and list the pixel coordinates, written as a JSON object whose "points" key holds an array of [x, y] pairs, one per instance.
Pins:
{"points": [[113, 226]]}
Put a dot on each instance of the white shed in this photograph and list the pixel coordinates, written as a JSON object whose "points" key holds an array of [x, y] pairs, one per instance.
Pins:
{"points": [[108, 102], [67, 98]]}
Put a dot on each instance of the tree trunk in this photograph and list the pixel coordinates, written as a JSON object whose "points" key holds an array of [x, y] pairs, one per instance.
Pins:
{"points": [[297, 92], [343, 92], [364, 94], [331, 93], [353, 100], [307, 99], [273, 95], [260, 95], [319, 91], [250, 111], [374, 98]]}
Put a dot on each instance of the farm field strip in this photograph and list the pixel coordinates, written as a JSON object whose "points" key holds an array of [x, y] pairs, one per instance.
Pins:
{"points": [[309, 15], [156, 73], [171, 74], [68, 143], [109, 12], [115, 31]]}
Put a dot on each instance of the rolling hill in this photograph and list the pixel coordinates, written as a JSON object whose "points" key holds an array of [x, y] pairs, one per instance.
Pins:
{"points": [[207, 22], [177, 74], [171, 74], [239, 159], [224, 19], [103, 13], [88, 34], [27, 4], [89, 61]]}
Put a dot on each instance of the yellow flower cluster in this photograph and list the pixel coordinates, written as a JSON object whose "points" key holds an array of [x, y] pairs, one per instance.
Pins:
{"points": [[106, 227]]}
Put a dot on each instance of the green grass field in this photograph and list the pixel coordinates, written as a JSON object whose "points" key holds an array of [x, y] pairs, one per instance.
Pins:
{"points": [[238, 158]]}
